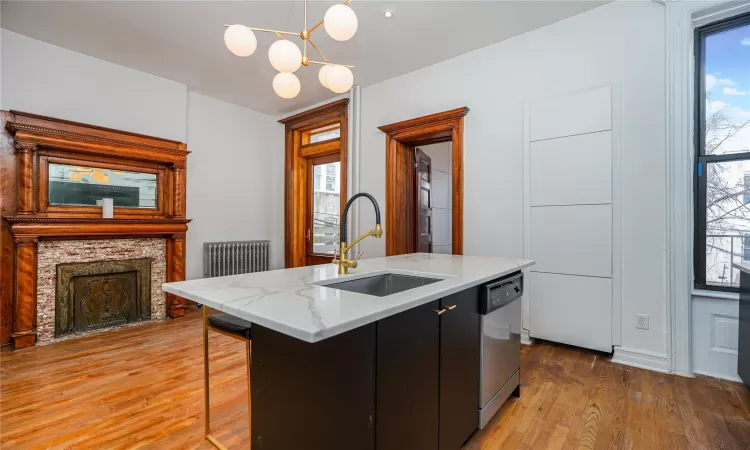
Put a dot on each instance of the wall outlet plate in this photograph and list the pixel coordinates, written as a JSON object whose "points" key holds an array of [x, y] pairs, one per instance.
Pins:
{"points": [[641, 321]]}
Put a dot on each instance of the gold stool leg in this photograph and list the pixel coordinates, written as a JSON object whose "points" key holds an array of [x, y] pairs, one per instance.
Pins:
{"points": [[207, 403]]}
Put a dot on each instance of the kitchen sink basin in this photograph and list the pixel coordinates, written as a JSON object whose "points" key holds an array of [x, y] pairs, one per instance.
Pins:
{"points": [[383, 285]]}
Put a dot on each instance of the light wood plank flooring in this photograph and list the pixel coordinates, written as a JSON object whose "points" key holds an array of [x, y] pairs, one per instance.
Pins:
{"points": [[142, 388]]}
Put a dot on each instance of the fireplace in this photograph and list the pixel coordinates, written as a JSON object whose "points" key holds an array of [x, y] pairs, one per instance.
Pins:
{"points": [[42, 228], [101, 294]]}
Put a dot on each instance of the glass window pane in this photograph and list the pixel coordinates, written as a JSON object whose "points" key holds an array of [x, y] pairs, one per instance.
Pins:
{"points": [[324, 134], [727, 220], [82, 186], [727, 92], [326, 208]]}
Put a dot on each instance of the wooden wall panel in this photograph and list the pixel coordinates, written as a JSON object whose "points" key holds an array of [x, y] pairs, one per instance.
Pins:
{"points": [[8, 180]]}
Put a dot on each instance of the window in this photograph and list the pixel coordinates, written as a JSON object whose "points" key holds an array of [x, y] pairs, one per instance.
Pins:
{"points": [[722, 171], [325, 133]]}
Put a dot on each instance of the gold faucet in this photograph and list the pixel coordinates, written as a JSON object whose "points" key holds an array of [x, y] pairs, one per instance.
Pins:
{"points": [[341, 259]]}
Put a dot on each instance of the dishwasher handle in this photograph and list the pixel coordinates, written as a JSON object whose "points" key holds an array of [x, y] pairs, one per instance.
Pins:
{"points": [[497, 294]]}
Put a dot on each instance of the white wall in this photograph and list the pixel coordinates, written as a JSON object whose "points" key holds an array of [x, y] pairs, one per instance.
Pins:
{"points": [[232, 193], [620, 43], [236, 166], [44, 79], [442, 198]]}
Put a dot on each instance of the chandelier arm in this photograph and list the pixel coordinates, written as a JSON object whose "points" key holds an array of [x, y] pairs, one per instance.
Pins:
{"points": [[266, 30], [279, 35], [318, 50], [315, 27], [328, 63]]}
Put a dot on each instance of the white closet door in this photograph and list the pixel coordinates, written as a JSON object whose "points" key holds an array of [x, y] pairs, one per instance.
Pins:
{"points": [[571, 309], [572, 114], [573, 240], [569, 218], [571, 170]]}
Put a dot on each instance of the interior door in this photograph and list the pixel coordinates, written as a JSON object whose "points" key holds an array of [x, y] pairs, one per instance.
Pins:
{"points": [[423, 201], [323, 209]]}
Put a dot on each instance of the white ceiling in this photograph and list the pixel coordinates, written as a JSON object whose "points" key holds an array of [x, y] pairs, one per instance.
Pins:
{"points": [[183, 40]]}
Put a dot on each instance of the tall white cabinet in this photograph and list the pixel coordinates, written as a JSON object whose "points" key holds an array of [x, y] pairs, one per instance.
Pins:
{"points": [[570, 218]]}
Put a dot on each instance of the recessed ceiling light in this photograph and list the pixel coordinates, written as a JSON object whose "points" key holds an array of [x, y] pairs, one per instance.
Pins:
{"points": [[388, 14]]}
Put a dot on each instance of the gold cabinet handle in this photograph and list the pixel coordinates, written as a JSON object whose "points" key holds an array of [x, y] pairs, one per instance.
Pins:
{"points": [[439, 311], [450, 308]]}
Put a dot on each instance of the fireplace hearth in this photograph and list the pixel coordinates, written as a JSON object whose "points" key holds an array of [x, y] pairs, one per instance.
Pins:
{"points": [[101, 294]]}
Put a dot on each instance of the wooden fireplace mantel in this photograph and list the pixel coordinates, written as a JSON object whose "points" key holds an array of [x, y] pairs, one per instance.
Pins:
{"points": [[32, 226], [31, 142]]}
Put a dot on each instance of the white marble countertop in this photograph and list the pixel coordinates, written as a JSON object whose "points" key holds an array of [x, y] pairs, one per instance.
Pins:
{"points": [[294, 302], [743, 267]]}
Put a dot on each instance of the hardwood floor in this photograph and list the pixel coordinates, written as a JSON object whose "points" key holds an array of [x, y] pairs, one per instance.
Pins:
{"points": [[143, 388]]}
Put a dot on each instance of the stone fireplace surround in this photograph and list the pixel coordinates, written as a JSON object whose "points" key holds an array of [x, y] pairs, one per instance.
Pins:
{"points": [[52, 253]]}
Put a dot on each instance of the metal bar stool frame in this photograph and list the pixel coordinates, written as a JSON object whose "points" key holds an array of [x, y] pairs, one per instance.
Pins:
{"points": [[207, 406]]}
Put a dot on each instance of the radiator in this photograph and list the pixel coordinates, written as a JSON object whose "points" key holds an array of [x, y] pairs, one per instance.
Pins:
{"points": [[230, 258]]}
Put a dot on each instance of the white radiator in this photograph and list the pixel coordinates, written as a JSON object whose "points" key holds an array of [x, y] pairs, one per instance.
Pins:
{"points": [[233, 257]]}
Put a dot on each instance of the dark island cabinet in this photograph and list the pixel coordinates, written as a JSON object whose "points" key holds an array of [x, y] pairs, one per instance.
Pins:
{"points": [[459, 368], [428, 375], [408, 362]]}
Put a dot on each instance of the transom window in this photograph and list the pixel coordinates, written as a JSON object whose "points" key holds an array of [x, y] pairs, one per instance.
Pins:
{"points": [[722, 169]]}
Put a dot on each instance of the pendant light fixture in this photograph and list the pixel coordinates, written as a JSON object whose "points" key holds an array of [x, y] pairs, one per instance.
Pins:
{"points": [[340, 23]]}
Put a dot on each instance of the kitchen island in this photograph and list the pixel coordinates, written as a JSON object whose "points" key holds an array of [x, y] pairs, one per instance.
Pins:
{"points": [[386, 357]]}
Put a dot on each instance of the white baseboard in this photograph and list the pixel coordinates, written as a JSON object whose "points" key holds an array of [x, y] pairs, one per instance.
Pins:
{"points": [[641, 359], [722, 376], [525, 339]]}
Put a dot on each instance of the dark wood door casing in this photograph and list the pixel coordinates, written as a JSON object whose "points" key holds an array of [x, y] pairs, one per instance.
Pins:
{"points": [[400, 139], [297, 150], [30, 142], [423, 201]]}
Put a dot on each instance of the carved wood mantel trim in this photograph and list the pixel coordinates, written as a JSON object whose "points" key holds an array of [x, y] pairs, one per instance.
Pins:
{"points": [[29, 142]]}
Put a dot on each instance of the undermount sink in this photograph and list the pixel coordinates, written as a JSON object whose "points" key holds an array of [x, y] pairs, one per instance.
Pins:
{"points": [[383, 285]]}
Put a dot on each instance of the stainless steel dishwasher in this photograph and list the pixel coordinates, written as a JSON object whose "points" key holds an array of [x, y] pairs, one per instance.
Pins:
{"points": [[500, 307]]}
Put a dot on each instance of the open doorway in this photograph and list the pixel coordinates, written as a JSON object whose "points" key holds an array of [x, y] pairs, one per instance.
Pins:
{"points": [[434, 202], [415, 149]]}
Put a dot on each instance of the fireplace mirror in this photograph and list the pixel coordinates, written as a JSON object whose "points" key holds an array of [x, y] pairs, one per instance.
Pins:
{"points": [[71, 185]]}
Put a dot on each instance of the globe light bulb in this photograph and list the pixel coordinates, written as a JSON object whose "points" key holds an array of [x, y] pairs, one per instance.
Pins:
{"points": [[323, 73], [339, 79], [285, 56], [240, 40], [286, 85], [340, 22]]}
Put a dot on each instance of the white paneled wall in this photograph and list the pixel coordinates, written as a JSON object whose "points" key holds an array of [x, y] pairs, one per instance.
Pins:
{"points": [[569, 218], [442, 200]]}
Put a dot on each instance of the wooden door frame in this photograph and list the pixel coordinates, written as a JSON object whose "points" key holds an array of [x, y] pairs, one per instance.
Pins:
{"points": [[295, 170], [432, 129]]}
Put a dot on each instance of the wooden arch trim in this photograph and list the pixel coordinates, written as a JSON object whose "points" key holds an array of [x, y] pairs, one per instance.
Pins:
{"points": [[295, 170], [399, 166]]}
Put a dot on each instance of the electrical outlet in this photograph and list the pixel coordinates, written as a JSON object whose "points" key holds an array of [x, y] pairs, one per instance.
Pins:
{"points": [[641, 321]]}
